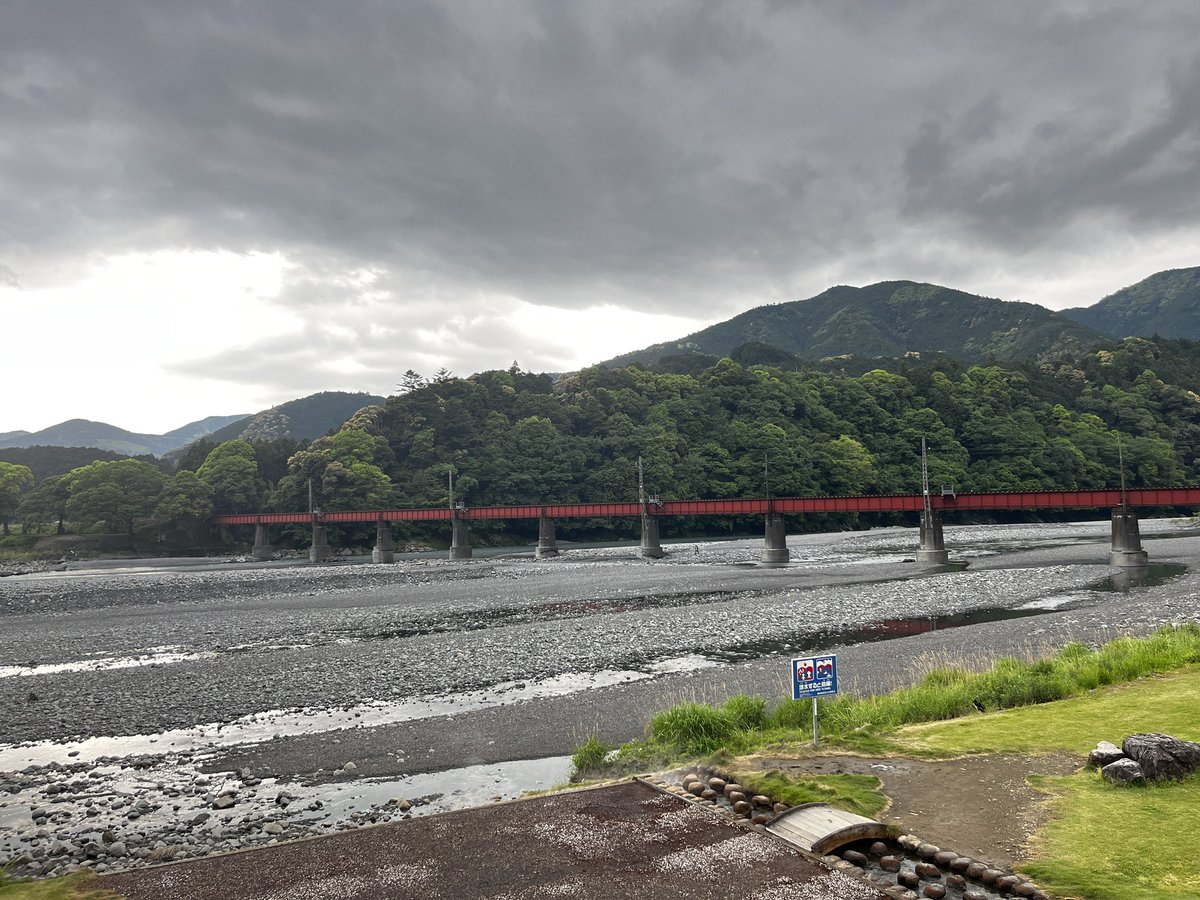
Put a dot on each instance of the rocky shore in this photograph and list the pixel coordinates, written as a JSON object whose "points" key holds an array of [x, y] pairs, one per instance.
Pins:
{"points": [[113, 813], [163, 714]]}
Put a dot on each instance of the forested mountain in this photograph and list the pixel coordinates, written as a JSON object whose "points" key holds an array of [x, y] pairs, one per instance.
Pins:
{"points": [[303, 419], [514, 437], [194, 430], [1166, 304], [889, 319], [102, 436]]}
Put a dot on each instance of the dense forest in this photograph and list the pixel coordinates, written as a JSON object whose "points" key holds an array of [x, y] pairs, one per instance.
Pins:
{"points": [[722, 428], [517, 437]]}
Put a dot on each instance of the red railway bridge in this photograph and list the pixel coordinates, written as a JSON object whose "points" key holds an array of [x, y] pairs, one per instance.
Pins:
{"points": [[1126, 541]]}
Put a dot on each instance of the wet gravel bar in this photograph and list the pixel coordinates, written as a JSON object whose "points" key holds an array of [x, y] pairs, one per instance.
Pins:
{"points": [[157, 714]]}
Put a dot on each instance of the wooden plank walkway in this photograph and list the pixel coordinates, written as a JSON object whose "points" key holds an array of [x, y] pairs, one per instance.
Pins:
{"points": [[821, 828]]}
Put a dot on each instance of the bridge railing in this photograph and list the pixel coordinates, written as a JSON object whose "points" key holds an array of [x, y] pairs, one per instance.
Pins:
{"points": [[992, 500]]}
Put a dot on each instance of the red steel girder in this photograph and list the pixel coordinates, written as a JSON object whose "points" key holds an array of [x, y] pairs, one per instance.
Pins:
{"points": [[1098, 499]]}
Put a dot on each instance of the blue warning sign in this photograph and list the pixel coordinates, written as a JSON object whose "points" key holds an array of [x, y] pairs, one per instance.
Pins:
{"points": [[815, 676]]}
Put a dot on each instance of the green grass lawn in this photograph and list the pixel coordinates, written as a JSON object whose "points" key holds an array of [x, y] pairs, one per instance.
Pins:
{"points": [[1113, 843], [72, 887], [1103, 842], [1166, 703]]}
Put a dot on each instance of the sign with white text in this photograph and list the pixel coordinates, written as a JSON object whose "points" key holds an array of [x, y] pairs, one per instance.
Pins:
{"points": [[815, 676]]}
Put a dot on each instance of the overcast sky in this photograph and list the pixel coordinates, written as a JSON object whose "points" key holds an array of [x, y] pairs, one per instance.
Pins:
{"points": [[211, 207]]}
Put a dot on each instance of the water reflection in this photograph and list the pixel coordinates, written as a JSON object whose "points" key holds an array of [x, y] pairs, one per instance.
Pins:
{"points": [[1152, 575]]}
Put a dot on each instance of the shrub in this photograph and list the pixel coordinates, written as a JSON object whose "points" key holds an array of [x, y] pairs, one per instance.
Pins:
{"points": [[589, 758]]}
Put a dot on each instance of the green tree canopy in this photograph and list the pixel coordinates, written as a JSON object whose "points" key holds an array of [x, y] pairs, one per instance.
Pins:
{"points": [[116, 494], [231, 471], [14, 481], [343, 473], [46, 503], [184, 506]]}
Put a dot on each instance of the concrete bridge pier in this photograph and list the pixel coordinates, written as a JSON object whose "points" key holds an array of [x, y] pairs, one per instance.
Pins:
{"points": [[460, 540], [1126, 540], [651, 546], [775, 552], [319, 551], [384, 550], [547, 543], [933, 545], [262, 542]]}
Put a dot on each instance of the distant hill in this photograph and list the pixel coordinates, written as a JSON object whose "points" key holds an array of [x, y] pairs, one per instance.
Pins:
{"points": [[890, 318], [303, 419], [47, 461], [1167, 304], [102, 436], [196, 430]]}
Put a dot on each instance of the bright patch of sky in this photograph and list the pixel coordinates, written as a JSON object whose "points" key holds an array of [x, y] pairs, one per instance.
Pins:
{"points": [[100, 345]]}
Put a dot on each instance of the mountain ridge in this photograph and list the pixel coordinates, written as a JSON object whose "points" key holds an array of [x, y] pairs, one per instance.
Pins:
{"points": [[103, 436], [1166, 303], [888, 318], [304, 418]]}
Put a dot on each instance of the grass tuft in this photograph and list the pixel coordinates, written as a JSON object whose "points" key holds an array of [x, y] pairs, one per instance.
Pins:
{"points": [[588, 760], [747, 712], [693, 728]]}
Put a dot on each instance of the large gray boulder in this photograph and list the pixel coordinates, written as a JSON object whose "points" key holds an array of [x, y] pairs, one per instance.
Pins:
{"points": [[1163, 757], [1104, 754], [1123, 771]]}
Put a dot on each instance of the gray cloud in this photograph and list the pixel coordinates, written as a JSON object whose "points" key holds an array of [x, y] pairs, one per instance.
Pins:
{"points": [[687, 158], [356, 346]]}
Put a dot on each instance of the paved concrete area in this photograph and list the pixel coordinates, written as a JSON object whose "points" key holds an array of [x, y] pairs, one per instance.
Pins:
{"points": [[623, 841]]}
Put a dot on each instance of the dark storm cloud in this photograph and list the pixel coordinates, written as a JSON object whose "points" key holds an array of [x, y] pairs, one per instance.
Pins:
{"points": [[671, 154]]}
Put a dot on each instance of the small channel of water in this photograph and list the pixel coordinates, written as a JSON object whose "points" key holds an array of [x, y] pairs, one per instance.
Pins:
{"points": [[1153, 575]]}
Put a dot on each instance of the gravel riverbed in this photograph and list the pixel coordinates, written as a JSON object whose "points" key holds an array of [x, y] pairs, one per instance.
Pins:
{"points": [[156, 713]]}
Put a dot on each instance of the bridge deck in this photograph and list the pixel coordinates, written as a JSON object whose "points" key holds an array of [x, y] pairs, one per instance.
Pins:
{"points": [[1142, 497]]}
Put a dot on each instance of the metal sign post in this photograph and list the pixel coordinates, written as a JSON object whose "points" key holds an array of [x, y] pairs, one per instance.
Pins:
{"points": [[813, 677]]}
